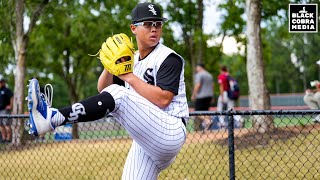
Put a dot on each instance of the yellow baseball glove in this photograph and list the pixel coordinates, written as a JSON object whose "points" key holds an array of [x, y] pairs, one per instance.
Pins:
{"points": [[116, 54]]}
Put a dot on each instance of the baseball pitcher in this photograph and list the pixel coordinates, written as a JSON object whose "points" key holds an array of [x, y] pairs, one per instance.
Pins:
{"points": [[152, 106]]}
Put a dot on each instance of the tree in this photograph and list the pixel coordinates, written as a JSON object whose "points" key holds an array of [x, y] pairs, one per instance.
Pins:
{"points": [[193, 42], [20, 43], [278, 44], [6, 50], [233, 25], [258, 93], [68, 32]]}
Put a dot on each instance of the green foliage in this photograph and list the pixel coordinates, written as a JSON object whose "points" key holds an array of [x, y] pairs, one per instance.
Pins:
{"points": [[6, 50], [270, 8], [281, 75], [185, 15], [233, 23], [67, 33], [280, 45]]}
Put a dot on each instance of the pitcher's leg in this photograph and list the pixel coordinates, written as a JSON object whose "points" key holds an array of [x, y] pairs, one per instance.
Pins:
{"points": [[139, 165], [44, 118], [158, 133], [129, 172]]}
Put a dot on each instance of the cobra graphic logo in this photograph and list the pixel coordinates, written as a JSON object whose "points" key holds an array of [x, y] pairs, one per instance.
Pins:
{"points": [[77, 109], [148, 76], [151, 9]]}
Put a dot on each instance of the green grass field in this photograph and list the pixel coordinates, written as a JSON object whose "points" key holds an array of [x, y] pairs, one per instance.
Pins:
{"points": [[286, 121], [96, 134], [295, 158]]}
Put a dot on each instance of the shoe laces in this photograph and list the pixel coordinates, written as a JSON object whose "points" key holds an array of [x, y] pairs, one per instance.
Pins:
{"points": [[48, 94]]}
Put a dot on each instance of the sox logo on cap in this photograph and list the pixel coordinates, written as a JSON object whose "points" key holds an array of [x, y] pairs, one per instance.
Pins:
{"points": [[154, 12]]}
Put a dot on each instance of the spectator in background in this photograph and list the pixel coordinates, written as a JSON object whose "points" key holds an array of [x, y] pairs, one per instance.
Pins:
{"points": [[312, 98], [202, 95], [6, 102], [224, 102]]}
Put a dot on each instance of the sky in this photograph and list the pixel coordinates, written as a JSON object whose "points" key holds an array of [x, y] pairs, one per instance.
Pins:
{"points": [[211, 25], [212, 18]]}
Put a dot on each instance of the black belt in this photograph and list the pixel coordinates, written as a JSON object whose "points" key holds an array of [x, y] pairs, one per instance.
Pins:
{"points": [[183, 121]]}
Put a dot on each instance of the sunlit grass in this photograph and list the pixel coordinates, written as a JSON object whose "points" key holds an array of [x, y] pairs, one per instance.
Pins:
{"points": [[69, 160], [295, 158]]}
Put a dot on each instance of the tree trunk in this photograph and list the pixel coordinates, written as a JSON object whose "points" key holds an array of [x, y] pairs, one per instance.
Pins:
{"points": [[20, 47], [199, 29], [196, 50], [74, 98], [18, 105], [20, 54], [71, 82], [259, 98]]}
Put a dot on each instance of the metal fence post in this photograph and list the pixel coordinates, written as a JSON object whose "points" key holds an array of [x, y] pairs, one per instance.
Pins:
{"points": [[231, 145]]}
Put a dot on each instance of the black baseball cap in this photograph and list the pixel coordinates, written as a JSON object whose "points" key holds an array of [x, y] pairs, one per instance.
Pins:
{"points": [[146, 11], [2, 80]]}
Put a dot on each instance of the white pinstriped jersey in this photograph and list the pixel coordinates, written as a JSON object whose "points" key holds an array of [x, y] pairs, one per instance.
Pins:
{"points": [[150, 65], [158, 134]]}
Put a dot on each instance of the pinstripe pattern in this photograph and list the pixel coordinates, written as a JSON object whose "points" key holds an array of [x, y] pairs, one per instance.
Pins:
{"points": [[158, 134], [139, 165], [178, 107], [158, 137]]}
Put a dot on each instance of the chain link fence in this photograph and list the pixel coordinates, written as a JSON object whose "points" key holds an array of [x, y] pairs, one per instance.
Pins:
{"points": [[228, 145]]}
